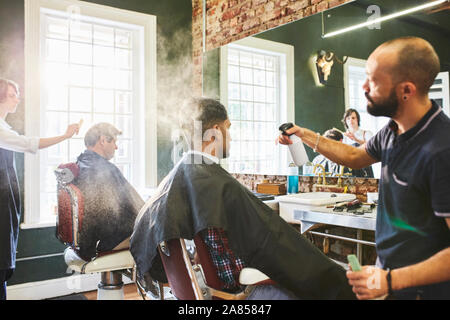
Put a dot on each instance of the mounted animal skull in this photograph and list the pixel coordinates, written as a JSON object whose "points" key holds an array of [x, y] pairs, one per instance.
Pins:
{"points": [[324, 62]]}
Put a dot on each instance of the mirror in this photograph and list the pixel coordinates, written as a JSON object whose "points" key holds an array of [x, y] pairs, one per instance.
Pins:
{"points": [[317, 106]]}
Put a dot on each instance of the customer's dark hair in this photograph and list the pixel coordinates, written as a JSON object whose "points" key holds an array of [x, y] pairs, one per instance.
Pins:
{"points": [[333, 134], [100, 129], [348, 113], [200, 111]]}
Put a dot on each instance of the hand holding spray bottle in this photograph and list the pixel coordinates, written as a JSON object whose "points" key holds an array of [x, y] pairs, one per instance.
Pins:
{"points": [[298, 153]]}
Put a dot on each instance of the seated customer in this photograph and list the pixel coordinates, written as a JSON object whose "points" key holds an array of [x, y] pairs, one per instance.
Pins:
{"points": [[111, 204], [199, 196], [330, 166]]}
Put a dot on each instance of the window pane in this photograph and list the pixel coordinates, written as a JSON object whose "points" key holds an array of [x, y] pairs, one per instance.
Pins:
{"points": [[81, 32], [233, 56], [123, 80], [258, 61], [57, 28], [57, 98], [57, 50], [55, 74], [259, 77], [103, 101], [234, 110], [76, 147], [124, 39], [233, 73], [80, 75], [104, 78], [247, 131], [124, 124], [58, 152], [123, 102], [245, 59], [80, 53], [103, 56], [123, 59], [103, 118], [81, 99], [260, 94], [55, 124], [104, 35], [246, 92], [247, 111], [270, 78], [260, 111], [233, 91], [246, 75]]}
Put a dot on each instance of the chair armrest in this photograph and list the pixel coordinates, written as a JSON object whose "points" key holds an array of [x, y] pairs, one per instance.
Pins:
{"points": [[251, 276]]}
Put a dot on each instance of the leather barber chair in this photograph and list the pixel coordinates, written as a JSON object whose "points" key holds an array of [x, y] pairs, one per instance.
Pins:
{"points": [[111, 265], [190, 281]]}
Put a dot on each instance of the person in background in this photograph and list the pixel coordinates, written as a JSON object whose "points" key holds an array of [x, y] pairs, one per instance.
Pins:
{"points": [[330, 166], [413, 216], [111, 203], [10, 201], [354, 135]]}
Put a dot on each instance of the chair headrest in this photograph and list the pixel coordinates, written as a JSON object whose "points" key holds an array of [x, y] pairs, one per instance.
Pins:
{"points": [[67, 172]]}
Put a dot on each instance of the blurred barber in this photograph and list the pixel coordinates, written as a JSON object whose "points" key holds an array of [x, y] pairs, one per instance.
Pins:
{"points": [[10, 142]]}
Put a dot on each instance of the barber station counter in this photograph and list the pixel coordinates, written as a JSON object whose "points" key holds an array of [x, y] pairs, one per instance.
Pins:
{"points": [[308, 217]]}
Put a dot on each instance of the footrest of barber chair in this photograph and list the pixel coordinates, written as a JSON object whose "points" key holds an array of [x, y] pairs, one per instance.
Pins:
{"points": [[251, 276], [114, 261]]}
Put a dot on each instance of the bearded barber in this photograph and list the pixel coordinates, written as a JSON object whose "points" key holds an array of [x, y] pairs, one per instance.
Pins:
{"points": [[11, 142], [413, 220]]}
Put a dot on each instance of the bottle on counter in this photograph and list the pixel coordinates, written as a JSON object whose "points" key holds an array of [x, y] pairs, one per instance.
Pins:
{"points": [[292, 183]]}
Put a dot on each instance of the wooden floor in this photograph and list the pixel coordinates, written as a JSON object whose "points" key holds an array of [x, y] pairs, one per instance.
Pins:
{"points": [[129, 290]]}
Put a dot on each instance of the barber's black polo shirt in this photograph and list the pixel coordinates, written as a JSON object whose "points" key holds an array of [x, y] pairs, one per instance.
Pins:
{"points": [[414, 190]]}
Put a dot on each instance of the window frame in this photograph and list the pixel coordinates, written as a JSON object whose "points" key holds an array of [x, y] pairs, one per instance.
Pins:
{"points": [[287, 86], [147, 147]]}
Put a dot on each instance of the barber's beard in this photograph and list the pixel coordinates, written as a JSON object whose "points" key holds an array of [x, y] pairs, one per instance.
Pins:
{"points": [[388, 107]]}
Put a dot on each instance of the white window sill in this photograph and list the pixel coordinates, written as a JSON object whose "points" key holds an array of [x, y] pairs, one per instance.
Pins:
{"points": [[37, 225]]}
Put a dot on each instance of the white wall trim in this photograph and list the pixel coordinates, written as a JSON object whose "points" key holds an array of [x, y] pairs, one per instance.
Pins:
{"points": [[56, 287]]}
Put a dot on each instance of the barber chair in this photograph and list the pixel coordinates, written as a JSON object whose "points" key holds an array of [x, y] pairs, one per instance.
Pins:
{"points": [[200, 281], [111, 265]]}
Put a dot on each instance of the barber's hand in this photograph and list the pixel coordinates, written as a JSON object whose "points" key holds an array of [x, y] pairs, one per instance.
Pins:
{"points": [[72, 129], [369, 283], [282, 139]]}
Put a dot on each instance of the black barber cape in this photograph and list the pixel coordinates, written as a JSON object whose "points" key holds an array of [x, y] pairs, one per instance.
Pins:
{"points": [[9, 210], [111, 204], [193, 197]]}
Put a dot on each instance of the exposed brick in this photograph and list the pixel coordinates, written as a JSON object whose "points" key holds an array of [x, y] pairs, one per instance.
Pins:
{"points": [[322, 6], [251, 24], [258, 2], [230, 14]]}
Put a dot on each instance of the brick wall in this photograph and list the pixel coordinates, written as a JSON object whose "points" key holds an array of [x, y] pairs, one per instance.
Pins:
{"points": [[231, 20]]}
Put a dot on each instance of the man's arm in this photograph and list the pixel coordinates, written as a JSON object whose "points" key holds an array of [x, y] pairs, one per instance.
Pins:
{"points": [[349, 156], [433, 270]]}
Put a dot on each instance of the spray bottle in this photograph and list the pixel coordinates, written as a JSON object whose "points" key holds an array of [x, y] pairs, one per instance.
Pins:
{"points": [[297, 148]]}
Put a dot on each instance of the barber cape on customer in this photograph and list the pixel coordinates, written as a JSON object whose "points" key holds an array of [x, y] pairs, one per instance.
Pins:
{"points": [[198, 194]]}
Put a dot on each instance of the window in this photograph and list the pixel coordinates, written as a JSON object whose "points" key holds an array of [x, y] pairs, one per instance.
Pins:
{"points": [[439, 91], [91, 67], [257, 89], [354, 78]]}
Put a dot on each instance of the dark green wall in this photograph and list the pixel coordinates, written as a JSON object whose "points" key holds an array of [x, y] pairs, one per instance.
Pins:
{"points": [[174, 38]]}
